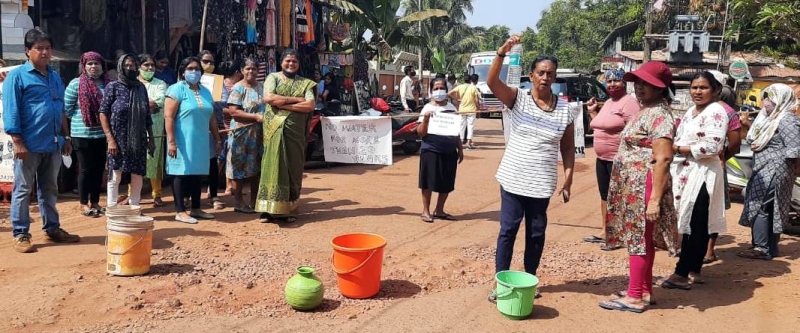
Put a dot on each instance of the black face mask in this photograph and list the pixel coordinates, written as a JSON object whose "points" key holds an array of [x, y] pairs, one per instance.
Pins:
{"points": [[131, 74], [289, 75], [413, 74]]}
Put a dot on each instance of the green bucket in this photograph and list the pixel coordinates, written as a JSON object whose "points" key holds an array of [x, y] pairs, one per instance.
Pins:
{"points": [[515, 292]]}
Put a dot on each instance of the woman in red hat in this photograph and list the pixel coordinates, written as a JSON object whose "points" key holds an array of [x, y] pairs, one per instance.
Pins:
{"points": [[641, 214]]}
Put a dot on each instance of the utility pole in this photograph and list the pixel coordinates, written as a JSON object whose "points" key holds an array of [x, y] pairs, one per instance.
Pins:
{"points": [[419, 54], [648, 29], [721, 57]]}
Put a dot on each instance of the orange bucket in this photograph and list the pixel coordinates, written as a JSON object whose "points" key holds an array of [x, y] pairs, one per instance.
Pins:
{"points": [[357, 260]]}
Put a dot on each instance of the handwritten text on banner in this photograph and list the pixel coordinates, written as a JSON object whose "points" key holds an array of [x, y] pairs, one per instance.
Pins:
{"points": [[358, 139]]}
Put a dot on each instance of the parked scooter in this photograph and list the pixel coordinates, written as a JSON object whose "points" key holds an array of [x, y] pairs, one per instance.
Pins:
{"points": [[404, 126], [315, 150]]}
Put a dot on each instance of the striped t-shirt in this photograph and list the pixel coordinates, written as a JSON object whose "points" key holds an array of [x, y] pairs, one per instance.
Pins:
{"points": [[72, 108], [529, 164]]}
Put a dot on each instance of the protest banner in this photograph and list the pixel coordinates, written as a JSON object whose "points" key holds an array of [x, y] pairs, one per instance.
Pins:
{"points": [[357, 139], [445, 124], [6, 154]]}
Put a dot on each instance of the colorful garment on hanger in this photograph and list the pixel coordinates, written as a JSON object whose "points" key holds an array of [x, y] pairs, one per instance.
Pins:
{"points": [[250, 22], [271, 24], [309, 33], [300, 17], [285, 22]]}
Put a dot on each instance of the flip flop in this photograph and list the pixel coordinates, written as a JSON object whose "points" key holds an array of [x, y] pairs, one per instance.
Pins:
{"points": [[605, 247], [709, 260], [158, 202], [646, 299], [426, 218], [445, 216], [593, 239], [244, 210], [616, 304], [667, 284]]}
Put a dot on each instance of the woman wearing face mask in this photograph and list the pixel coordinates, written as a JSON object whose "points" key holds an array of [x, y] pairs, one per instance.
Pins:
{"points": [[440, 156], [698, 183], [290, 101], [246, 107], [774, 138], [156, 91], [82, 100], [541, 128], [188, 119], [607, 125], [126, 121], [641, 214], [207, 61]]}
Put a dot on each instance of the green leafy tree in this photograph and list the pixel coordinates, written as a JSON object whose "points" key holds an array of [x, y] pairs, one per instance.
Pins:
{"points": [[380, 17], [771, 25]]}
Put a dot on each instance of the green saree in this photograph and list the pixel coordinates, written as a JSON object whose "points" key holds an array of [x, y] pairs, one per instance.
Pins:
{"points": [[285, 140]]}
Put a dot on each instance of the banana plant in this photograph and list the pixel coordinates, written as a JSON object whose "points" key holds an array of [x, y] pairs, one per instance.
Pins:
{"points": [[380, 17]]}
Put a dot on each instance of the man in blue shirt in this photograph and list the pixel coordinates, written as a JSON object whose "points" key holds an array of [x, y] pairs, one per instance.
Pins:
{"points": [[33, 115]]}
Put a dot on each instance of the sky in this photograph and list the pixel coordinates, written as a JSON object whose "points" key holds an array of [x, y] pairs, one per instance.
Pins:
{"points": [[516, 14]]}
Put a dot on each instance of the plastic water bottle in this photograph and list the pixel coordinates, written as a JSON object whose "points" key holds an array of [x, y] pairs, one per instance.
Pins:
{"points": [[514, 65]]}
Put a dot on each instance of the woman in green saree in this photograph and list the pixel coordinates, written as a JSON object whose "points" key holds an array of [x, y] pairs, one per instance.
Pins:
{"points": [[290, 101]]}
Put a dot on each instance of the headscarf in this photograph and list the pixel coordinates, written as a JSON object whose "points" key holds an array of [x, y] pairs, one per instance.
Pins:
{"points": [[89, 95], [615, 74], [766, 123], [138, 108]]}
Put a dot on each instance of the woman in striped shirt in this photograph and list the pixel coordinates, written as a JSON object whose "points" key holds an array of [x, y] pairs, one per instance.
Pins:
{"points": [[82, 100], [541, 128]]}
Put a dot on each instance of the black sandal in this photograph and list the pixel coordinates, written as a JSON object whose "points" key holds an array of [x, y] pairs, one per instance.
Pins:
{"points": [[445, 216], [426, 218], [755, 254], [91, 213]]}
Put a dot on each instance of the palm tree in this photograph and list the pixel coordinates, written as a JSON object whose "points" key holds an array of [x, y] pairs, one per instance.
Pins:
{"points": [[448, 39]]}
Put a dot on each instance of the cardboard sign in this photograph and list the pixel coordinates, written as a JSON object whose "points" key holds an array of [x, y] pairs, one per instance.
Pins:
{"points": [[214, 84], [6, 152], [358, 139], [445, 124]]}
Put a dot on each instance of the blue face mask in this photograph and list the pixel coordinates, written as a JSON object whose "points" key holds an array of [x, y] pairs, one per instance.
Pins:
{"points": [[192, 77]]}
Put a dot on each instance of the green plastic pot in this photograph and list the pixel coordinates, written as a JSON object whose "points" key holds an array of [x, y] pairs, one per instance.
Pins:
{"points": [[304, 291]]}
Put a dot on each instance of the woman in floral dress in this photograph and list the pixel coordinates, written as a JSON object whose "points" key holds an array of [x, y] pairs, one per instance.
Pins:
{"points": [[246, 107], [641, 214], [699, 183], [774, 138], [125, 117]]}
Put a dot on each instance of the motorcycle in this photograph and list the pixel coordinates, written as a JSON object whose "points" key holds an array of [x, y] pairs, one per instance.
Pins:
{"points": [[315, 149], [404, 125]]}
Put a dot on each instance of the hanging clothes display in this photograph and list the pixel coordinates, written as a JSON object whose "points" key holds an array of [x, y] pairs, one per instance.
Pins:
{"points": [[308, 35], [271, 25], [251, 36], [285, 9]]}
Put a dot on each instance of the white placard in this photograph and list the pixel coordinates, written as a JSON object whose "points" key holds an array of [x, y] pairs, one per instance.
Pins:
{"points": [[580, 132], [445, 124], [6, 149], [358, 139]]}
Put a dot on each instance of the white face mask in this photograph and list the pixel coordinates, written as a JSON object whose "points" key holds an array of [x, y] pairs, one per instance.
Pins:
{"points": [[439, 95]]}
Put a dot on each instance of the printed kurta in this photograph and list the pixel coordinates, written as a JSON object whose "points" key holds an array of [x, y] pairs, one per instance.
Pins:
{"points": [[626, 195], [246, 143], [156, 91], [705, 134], [116, 105], [772, 169]]}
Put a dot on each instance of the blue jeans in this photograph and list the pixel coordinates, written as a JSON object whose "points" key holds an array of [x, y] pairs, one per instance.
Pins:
{"points": [[512, 209], [42, 167]]}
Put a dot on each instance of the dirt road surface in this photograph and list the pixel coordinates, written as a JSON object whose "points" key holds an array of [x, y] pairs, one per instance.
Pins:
{"points": [[228, 275]]}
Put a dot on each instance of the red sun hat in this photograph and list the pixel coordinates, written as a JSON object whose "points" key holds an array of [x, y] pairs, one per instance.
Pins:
{"points": [[655, 73]]}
